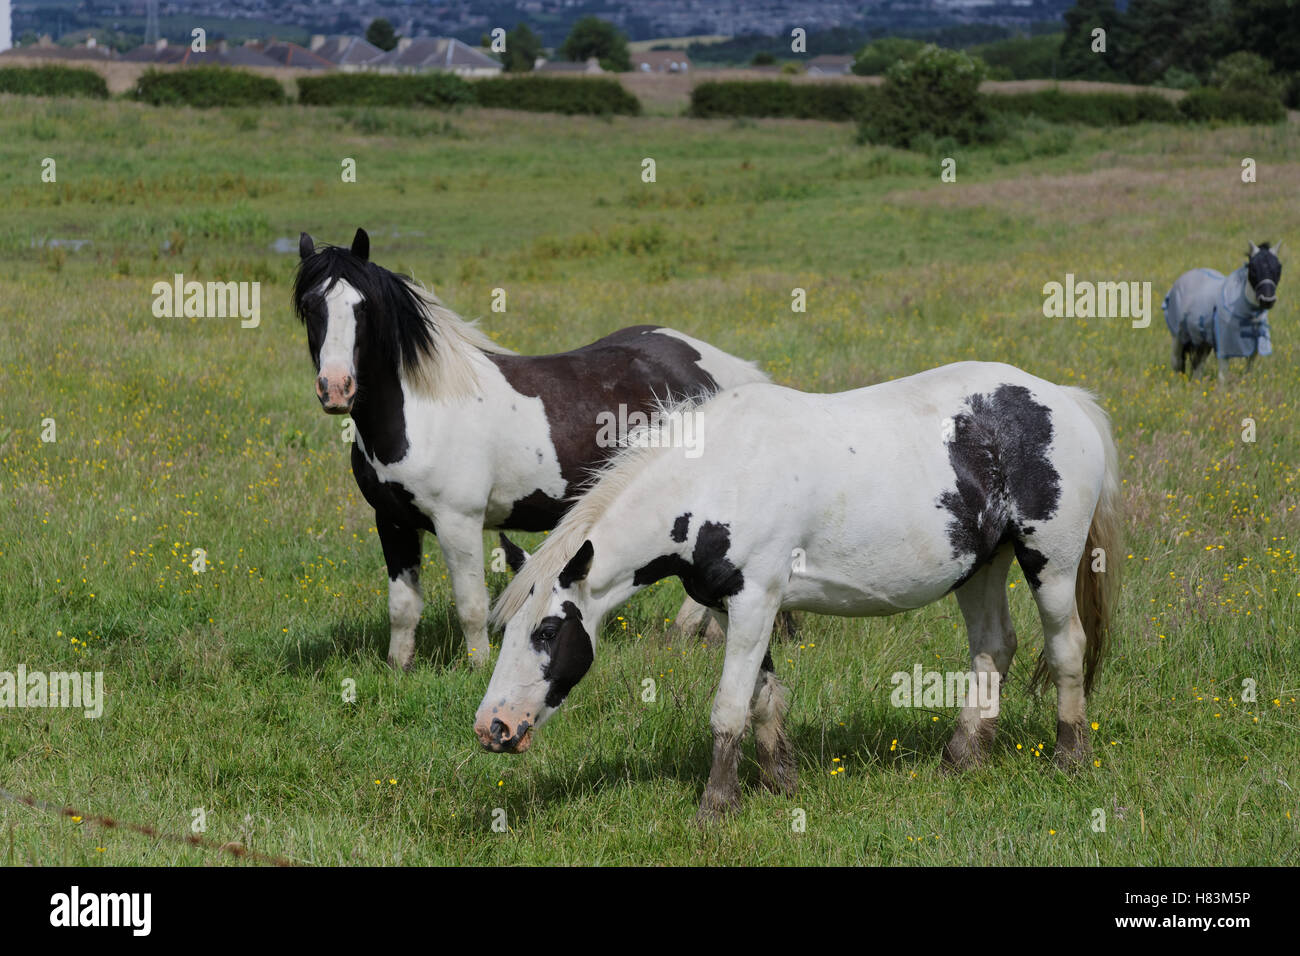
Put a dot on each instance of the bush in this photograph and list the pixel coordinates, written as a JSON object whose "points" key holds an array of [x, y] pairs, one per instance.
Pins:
{"points": [[934, 96], [1176, 78], [52, 81], [829, 101], [1088, 109], [545, 94], [879, 55], [439, 90], [1210, 103], [205, 86], [1248, 74], [1291, 93]]}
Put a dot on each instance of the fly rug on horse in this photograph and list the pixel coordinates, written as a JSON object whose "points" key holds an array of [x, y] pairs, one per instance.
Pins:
{"points": [[455, 433], [1207, 311], [892, 496]]}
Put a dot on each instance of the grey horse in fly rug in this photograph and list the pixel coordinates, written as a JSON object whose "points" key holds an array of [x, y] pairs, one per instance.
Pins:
{"points": [[1228, 315]]}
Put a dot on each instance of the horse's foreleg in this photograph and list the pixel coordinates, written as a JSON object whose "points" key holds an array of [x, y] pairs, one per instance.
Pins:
{"points": [[461, 537], [1063, 648], [405, 602], [1223, 369], [749, 628], [983, 603], [768, 707]]}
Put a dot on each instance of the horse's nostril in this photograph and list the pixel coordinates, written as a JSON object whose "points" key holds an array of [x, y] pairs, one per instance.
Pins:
{"points": [[321, 385], [499, 731]]}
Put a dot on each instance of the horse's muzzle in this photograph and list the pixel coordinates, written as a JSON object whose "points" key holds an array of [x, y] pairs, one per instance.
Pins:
{"points": [[336, 393], [498, 738]]}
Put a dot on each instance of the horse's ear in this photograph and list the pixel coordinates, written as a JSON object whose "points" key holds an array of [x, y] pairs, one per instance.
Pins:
{"points": [[515, 555], [1277, 247], [361, 245], [1251, 249], [306, 248], [578, 566]]}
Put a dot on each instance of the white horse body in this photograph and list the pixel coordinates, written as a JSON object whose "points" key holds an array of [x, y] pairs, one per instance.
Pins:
{"points": [[862, 503], [851, 471]]}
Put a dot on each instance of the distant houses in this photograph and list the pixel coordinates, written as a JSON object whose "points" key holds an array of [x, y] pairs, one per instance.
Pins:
{"points": [[347, 53], [47, 49], [419, 54], [218, 53]]}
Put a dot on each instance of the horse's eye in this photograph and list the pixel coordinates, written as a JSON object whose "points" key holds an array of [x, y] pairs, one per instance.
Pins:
{"points": [[548, 631]]}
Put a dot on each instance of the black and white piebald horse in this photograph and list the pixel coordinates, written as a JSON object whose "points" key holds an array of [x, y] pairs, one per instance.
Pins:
{"points": [[455, 433], [1227, 315], [892, 496]]}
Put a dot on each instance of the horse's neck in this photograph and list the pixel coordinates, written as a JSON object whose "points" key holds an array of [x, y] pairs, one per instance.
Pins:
{"points": [[379, 412], [630, 539]]}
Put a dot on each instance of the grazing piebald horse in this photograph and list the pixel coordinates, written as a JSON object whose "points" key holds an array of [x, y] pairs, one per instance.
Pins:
{"points": [[892, 496], [455, 434], [1227, 315]]}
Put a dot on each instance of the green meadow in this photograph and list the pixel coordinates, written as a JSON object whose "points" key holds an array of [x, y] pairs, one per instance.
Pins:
{"points": [[225, 689]]}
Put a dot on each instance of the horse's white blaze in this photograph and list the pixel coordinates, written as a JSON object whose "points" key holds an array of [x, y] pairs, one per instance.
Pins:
{"points": [[337, 351]]}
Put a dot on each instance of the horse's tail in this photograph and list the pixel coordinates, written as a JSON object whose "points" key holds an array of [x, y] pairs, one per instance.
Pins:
{"points": [[1095, 591]]}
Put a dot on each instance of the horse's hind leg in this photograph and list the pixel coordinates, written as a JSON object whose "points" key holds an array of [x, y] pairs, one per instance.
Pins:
{"points": [[983, 603], [767, 710], [1178, 357], [1064, 643]]}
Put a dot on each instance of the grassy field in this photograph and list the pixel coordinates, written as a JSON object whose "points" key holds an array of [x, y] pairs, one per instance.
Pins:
{"points": [[224, 689]]}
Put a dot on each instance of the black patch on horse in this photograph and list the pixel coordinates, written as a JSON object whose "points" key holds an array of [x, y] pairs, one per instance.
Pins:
{"points": [[392, 502], [708, 577], [568, 649], [536, 511], [999, 455], [681, 527]]}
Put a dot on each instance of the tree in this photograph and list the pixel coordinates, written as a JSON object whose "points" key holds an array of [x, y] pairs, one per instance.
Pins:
{"points": [[1270, 28], [1158, 34], [523, 47], [592, 36], [763, 58], [380, 33], [1078, 60]]}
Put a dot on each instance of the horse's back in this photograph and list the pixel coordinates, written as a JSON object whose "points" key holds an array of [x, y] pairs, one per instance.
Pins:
{"points": [[909, 484], [1189, 306]]}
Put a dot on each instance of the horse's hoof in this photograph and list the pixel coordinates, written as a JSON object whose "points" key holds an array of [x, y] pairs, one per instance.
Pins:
{"points": [[782, 780], [715, 806], [1072, 747]]}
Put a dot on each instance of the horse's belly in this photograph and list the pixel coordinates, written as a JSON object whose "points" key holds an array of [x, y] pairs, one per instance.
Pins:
{"points": [[872, 582]]}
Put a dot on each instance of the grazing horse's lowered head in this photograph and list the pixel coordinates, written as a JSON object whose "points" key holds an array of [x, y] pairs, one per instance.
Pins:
{"points": [[358, 317], [535, 675], [1264, 271]]}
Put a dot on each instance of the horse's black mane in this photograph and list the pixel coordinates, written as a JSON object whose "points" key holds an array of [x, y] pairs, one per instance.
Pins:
{"points": [[397, 322]]}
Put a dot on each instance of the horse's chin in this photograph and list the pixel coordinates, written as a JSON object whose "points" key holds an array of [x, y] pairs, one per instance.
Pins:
{"points": [[337, 409]]}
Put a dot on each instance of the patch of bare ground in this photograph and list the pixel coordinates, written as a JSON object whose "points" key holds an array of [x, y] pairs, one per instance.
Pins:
{"points": [[1104, 194]]}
